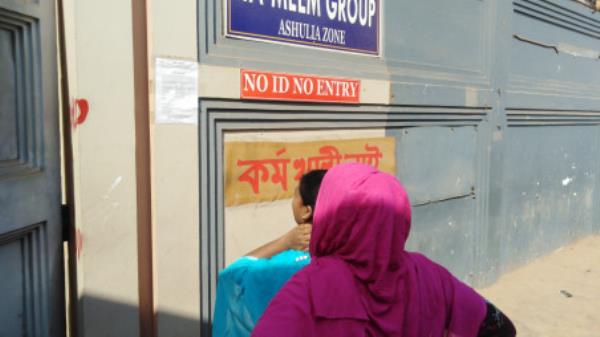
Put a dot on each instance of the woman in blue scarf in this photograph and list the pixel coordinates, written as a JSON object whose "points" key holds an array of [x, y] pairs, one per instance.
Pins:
{"points": [[246, 287]]}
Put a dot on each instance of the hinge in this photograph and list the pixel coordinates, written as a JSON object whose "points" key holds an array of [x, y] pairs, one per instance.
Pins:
{"points": [[65, 212]]}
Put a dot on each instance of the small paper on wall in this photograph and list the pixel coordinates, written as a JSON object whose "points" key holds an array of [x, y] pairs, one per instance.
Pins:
{"points": [[176, 91], [269, 171]]}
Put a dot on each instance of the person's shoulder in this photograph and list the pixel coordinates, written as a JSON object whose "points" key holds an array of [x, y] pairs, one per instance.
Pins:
{"points": [[425, 261], [431, 270]]}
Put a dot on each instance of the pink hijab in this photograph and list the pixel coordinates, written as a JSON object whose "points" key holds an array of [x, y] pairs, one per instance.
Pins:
{"points": [[361, 282]]}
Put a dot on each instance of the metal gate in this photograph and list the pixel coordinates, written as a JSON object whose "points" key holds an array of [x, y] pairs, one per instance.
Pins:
{"points": [[31, 270]]}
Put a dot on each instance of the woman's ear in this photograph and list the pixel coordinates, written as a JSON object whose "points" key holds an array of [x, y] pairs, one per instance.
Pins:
{"points": [[307, 213]]}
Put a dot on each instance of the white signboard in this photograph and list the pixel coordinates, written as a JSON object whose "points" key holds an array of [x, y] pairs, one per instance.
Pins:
{"points": [[176, 91]]}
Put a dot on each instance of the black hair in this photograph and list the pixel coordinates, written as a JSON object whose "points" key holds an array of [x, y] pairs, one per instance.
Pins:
{"points": [[309, 187]]}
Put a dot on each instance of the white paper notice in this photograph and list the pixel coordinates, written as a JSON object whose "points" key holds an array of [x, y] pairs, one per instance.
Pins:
{"points": [[176, 91]]}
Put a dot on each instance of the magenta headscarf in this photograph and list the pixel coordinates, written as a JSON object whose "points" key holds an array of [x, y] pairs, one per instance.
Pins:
{"points": [[361, 281]]}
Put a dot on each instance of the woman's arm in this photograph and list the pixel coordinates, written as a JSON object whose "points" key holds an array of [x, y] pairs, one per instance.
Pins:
{"points": [[496, 324], [297, 238]]}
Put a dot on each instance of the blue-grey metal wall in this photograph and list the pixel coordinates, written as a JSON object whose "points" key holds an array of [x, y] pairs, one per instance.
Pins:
{"points": [[496, 112]]}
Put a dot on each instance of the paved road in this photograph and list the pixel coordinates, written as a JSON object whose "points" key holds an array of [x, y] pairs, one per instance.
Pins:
{"points": [[555, 296]]}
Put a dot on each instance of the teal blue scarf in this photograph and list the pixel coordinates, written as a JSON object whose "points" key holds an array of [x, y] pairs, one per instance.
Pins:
{"points": [[246, 287]]}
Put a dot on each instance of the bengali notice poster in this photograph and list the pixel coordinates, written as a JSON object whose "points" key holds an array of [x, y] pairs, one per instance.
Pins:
{"points": [[269, 171]]}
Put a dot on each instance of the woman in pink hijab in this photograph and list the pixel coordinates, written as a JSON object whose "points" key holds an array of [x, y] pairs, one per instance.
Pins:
{"points": [[361, 281]]}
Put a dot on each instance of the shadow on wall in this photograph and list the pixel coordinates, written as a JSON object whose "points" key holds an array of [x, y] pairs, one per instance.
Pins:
{"points": [[112, 318]]}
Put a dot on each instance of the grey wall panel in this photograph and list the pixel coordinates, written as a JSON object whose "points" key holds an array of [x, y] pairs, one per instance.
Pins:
{"points": [[543, 70], [551, 189], [444, 231], [436, 163], [440, 53], [438, 167], [554, 56], [437, 36]]}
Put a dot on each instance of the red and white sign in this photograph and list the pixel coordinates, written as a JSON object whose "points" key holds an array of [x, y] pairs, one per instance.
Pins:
{"points": [[294, 87]]}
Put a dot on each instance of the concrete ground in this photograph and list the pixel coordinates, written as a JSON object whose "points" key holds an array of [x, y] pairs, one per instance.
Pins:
{"points": [[555, 296]]}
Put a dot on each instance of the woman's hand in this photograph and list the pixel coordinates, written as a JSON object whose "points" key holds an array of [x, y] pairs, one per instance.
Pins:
{"points": [[298, 238]]}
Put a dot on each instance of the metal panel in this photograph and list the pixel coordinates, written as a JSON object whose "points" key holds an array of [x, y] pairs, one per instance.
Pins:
{"points": [[30, 224], [554, 56], [438, 167], [436, 163], [13, 308], [428, 34], [444, 232], [551, 189], [22, 266], [8, 99], [21, 134]]}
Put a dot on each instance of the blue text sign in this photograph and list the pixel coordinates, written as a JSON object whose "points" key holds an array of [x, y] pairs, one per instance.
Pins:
{"points": [[347, 25]]}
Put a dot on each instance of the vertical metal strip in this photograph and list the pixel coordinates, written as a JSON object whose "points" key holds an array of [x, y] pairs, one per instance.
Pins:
{"points": [[68, 180], [205, 230], [141, 63]]}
